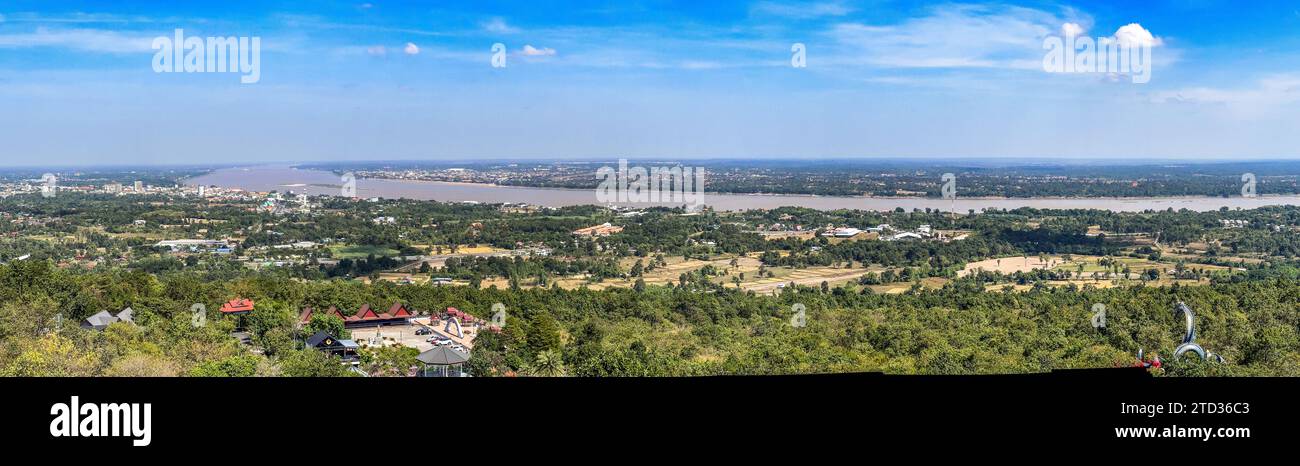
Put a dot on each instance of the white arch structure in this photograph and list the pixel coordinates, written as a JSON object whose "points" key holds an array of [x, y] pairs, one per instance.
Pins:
{"points": [[453, 321]]}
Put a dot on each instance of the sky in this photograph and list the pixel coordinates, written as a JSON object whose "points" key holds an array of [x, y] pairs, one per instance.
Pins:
{"points": [[389, 80]]}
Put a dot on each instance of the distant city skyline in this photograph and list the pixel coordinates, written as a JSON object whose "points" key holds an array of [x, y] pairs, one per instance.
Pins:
{"points": [[402, 81]]}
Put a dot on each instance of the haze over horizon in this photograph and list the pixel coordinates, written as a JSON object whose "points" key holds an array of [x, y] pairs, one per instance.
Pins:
{"points": [[401, 81]]}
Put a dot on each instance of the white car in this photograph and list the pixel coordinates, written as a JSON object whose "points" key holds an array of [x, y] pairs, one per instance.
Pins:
{"points": [[442, 341], [458, 348]]}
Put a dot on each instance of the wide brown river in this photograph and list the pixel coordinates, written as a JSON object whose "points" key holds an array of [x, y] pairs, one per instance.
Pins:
{"points": [[284, 179]]}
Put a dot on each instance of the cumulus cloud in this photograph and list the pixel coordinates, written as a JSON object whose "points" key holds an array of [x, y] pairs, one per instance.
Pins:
{"points": [[530, 51], [499, 26], [411, 49], [1134, 35]]}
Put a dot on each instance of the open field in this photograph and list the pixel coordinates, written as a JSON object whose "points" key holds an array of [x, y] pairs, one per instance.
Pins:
{"points": [[1087, 265], [399, 277], [360, 251], [746, 265], [839, 276], [1007, 265], [898, 288], [812, 276], [462, 249]]}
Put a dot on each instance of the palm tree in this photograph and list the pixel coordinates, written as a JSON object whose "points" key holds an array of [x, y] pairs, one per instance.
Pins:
{"points": [[547, 364]]}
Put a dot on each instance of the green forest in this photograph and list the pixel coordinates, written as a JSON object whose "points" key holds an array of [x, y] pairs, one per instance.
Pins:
{"points": [[650, 331]]}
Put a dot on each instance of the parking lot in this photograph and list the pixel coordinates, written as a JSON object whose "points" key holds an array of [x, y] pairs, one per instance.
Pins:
{"points": [[405, 335]]}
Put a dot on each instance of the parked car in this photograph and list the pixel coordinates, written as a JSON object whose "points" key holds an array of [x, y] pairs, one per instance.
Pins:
{"points": [[442, 341], [424, 331]]}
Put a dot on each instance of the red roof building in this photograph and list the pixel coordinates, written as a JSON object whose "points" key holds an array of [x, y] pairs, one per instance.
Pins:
{"points": [[307, 312], [398, 314], [365, 313], [464, 317], [399, 310], [237, 306]]}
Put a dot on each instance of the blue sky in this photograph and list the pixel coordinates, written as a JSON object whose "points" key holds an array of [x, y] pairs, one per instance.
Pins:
{"points": [[413, 80]]}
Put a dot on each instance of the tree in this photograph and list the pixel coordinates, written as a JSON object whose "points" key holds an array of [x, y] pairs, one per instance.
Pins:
{"points": [[543, 333], [142, 365], [389, 360], [234, 366], [311, 363], [330, 323], [52, 355], [547, 364]]}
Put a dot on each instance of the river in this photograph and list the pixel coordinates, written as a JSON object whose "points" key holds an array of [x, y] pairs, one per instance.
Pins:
{"points": [[269, 178]]}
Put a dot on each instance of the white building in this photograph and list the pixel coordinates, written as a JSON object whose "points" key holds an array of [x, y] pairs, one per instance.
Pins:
{"points": [[843, 232], [905, 236]]}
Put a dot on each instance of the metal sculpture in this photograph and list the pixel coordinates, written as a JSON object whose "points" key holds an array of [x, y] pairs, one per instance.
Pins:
{"points": [[1189, 338]]}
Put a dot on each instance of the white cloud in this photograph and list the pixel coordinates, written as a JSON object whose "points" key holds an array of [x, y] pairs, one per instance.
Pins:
{"points": [[89, 40], [1134, 35], [377, 50], [1072, 29], [411, 49], [801, 10], [84, 18], [701, 65], [499, 26], [954, 36], [1267, 92], [530, 51]]}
